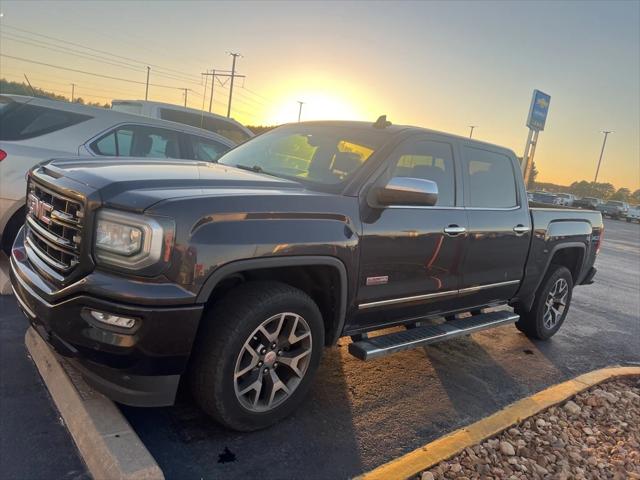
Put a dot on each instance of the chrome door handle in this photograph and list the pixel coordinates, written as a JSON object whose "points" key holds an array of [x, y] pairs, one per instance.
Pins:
{"points": [[454, 230], [521, 229]]}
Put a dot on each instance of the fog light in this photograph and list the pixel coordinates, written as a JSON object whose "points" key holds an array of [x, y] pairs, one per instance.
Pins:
{"points": [[114, 320]]}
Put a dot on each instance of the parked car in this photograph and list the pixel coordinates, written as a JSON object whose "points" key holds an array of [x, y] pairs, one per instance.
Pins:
{"points": [[543, 198], [227, 127], [33, 130], [633, 213], [565, 199], [588, 203], [614, 209], [236, 274]]}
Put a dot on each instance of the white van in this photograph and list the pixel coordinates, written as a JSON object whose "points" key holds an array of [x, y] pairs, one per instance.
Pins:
{"points": [[227, 127]]}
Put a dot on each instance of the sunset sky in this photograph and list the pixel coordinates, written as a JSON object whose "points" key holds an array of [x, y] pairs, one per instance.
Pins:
{"points": [[440, 65]]}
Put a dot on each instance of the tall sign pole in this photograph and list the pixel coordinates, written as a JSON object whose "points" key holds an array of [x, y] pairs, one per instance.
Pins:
{"points": [[535, 121]]}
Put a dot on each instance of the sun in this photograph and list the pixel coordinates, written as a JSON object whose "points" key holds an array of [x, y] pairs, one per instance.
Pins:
{"points": [[317, 106]]}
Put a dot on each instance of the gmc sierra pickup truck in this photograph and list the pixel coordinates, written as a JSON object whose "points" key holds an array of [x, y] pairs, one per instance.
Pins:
{"points": [[234, 275]]}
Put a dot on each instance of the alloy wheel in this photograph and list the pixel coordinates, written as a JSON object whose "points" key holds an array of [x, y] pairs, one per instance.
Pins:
{"points": [[273, 362], [555, 303]]}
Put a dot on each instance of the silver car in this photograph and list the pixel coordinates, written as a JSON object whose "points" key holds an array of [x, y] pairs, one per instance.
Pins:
{"points": [[33, 130]]}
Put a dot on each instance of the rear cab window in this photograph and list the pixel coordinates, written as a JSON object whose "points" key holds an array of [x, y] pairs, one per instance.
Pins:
{"points": [[22, 121], [490, 179]]}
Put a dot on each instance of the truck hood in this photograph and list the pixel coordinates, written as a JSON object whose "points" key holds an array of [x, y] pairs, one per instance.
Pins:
{"points": [[136, 184]]}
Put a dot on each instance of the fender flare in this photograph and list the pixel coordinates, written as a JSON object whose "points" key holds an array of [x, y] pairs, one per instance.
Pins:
{"points": [[276, 262], [528, 300]]}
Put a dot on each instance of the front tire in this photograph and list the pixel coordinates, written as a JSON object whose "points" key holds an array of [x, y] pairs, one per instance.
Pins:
{"points": [[256, 355], [550, 306]]}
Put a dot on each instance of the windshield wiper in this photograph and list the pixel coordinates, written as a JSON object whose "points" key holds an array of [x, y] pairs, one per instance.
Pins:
{"points": [[255, 168]]}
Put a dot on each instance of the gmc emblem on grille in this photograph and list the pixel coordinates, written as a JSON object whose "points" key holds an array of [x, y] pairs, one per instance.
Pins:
{"points": [[39, 209]]}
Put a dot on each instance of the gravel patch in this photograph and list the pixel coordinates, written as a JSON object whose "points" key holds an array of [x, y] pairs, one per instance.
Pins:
{"points": [[595, 435]]}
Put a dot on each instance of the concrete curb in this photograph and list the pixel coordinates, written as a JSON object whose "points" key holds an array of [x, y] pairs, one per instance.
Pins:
{"points": [[450, 445], [107, 443]]}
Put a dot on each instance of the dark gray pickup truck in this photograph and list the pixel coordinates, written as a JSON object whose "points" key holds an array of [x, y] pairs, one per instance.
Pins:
{"points": [[235, 275]]}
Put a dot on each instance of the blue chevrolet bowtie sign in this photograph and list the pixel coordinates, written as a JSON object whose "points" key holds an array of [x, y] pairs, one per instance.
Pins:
{"points": [[538, 111]]}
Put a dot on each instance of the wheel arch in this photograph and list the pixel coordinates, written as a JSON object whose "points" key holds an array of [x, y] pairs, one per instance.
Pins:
{"points": [[298, 271], [13, 220], [568, 254]]}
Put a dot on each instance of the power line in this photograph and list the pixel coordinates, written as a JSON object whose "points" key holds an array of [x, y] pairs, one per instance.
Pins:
{"points": [[65, 81], [88, 56], [182, 74], [88, 73], [258, 95]]}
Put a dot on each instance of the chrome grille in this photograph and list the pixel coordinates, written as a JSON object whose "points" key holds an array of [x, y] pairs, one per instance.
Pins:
{"points": [[54, 227]]}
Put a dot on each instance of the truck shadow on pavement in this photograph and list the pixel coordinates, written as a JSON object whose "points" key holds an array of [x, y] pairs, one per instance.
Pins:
{"points": [[357, 416]]}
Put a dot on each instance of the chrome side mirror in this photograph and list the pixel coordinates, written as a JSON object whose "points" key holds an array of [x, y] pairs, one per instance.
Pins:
{"points": [[408, 191]]}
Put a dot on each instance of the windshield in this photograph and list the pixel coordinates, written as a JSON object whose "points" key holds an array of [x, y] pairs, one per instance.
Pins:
{"points": [[615, 204], [319, 154]]}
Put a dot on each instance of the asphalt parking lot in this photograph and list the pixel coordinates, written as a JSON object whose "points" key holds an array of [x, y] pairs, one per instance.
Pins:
{"points": [[360, 415]]}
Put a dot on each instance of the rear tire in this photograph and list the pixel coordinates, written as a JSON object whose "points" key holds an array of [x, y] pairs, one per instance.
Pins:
{"points": [[256, 355], [550, 306]]}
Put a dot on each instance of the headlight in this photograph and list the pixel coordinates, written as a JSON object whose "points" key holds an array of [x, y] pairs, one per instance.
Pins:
{"points": [[118, 238], [131, 241]]}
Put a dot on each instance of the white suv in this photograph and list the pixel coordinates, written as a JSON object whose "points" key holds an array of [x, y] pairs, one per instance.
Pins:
{"points": [[227, 127], [34, 130]]}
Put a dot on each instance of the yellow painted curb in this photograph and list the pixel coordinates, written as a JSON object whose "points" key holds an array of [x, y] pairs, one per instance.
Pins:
{"points": [[448, 446]]}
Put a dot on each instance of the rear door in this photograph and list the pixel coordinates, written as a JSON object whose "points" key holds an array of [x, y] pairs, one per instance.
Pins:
{"points": [[499, 225]]}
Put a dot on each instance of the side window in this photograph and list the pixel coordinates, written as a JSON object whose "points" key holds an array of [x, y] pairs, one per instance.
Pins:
{"points": [[20, 121], [429, 160], [220, 126], [206, 149], [490, 179], [106, 145], [139, 141]]}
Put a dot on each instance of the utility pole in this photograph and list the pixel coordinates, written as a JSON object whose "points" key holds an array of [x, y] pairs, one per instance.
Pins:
{"points": [[220, 74], [300, 110], [233, 75], [471, 131], [604, 142], [186, 92], [73, 91], [146, 91], [213, 82]]}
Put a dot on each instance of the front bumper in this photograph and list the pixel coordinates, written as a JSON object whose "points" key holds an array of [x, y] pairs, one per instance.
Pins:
{"points": [[142, 368]]}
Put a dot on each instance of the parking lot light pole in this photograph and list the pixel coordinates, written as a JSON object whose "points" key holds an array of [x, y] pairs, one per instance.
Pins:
{"points": [[471, 127], [604, 142]]}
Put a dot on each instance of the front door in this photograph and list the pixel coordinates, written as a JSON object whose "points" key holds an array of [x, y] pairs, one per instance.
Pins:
{"points": [[411, 256]]}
